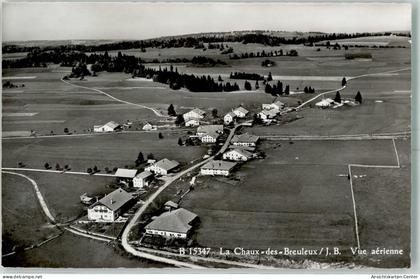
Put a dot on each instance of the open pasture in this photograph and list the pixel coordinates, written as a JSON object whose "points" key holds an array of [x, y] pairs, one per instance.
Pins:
{"points": [[110, 150]]}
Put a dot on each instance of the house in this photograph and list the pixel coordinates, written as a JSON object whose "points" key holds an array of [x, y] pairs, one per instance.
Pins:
{"points": [[240, 147], [195, 113], [229, 118], [162, 167], [192, 122], [170, 205], [125, 175], [325, 103], [267, 114], [275, 105], [111, 126], [149, 127], [177, 223], [240, 112], [237, 155], [142, 179], [205, 129], [245, 140], [110, 207], [210, 137], [217, 167]]}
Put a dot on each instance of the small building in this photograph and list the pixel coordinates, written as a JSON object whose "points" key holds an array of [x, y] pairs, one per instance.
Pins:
{"points": [[192, 122], [245, 140], [237, 155], [325, 103], [195, 113], [125, 175], [240, 112], [142, 179], [170, 205], [173, 224], [267, 114], [275, 105], [229, 118], [162, 167], [111, 126], [217, 167], [149, 127], [110, 207]]}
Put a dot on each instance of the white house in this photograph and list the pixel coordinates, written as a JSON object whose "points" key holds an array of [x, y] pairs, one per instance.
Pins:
{"points": [[149, 127], [245, 140], [210, 137], [177, 223], [267, 114], [325, 103], [110, 207], [111, 126], [217, 167], [195, 113], [275, 105], [237, 155], [162, 167], [240, 112], [142, 179], [229, 118], [192, 122]]}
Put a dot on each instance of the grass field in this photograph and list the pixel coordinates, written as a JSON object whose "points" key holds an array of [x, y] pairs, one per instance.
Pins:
{"points": [[23, 222], [111, 150]]}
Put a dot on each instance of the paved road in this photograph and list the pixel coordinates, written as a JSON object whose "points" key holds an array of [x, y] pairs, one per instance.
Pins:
{"points": [[155, 111]]}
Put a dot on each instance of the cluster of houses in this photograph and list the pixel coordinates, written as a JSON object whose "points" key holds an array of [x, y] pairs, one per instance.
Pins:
{"points": [[328, 103], [110, 207], [193, 117]]}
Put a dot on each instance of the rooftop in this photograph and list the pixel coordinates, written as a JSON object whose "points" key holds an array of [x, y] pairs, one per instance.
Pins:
{"points": [[219, 165], [243, 152], [126, 173], [167, 164], [115, 200], [210, 129], [177, 221], [112, 124], [245, 138], [241, 109], [144, 174], [198, 111]]}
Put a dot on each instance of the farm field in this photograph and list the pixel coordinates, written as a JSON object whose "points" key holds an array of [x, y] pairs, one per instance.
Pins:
{"points": [[383, 208], [23, 222], [110, 150]]}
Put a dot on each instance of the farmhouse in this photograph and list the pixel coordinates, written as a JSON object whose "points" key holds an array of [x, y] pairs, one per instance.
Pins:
{"points": [[267, 114], [142, 179], [173, 224], [217, 167], [110, 207], [229, 117], [325, 103], [125, 175], [245, 140], [237, 155], [192, 122], [195, 113], [148, 127], [162, 167], [111, 126], [205, 129], [210, 137], [276, 105], [240, 112]]}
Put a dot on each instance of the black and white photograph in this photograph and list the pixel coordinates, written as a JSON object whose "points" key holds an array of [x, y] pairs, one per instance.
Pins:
{"points": [[207, 135]]}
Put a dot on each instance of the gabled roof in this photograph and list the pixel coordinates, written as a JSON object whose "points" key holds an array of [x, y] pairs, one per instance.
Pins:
{"points": [[231, 114], [245, 138], [177, 221], [240, 147], [219, 165], [166, 164], [242, 152], [270, 113], [144, 174], [192, 119], [212, 134], [112, 124], [241, 109], [125, 173], [210, 129], [171, 204], [198, 111], [115, 200], [278, 103]]}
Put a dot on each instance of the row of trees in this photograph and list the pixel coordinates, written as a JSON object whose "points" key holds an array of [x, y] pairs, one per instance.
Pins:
{"points": [[280, 52], [243, 75], [277, 89]]}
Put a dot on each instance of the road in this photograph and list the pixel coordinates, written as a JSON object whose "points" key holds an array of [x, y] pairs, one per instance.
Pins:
{"points": [[56, 171], [340, 137]]}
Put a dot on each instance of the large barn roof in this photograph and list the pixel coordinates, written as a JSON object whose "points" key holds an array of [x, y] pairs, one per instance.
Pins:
{"points": [[177, 221]]}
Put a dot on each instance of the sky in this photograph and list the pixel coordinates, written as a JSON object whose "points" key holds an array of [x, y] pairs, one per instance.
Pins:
{"points": [[95, 21]]}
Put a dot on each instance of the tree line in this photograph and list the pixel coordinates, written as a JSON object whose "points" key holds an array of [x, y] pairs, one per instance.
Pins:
{"points": [[280, 52]]}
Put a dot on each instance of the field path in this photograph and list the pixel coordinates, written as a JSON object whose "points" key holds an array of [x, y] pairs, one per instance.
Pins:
{"points": [[155, 111]]}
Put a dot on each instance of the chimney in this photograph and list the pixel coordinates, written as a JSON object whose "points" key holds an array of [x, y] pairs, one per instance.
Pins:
{"points": [[112, 201]]}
